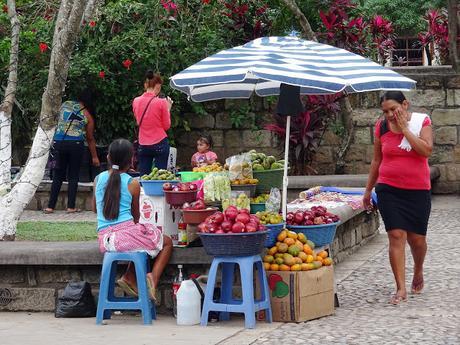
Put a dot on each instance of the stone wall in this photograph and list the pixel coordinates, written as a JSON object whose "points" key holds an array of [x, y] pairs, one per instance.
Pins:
{"points": [[438, 94], [35, 278]]}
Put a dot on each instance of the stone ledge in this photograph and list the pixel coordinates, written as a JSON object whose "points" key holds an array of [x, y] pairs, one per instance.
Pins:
{"points": [[78, 253]]}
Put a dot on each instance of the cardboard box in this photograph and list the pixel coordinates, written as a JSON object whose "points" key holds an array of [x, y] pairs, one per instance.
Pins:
{"points": [[301, 296], [155, 210]]}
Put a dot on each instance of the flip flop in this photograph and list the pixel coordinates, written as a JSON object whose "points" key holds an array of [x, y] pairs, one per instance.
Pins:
{"points": [[151, 289], [48, 210], [417, 287], [396, 299], [130, 291], [77, 210]]}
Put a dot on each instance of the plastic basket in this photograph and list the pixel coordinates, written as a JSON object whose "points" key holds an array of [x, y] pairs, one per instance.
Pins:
{"points": [[257, 207], [190, 176], [241, 244], [268, 179], [155, 187], [273, 232], [177, 199], [320, 235], [197, 216], [248, 189]]}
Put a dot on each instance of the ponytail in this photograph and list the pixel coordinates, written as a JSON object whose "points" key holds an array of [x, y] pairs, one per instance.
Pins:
{"points": [[112, 196], [120, 156]]}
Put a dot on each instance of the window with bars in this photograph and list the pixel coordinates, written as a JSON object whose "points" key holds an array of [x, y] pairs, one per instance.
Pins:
{"points": [[407, 52]]}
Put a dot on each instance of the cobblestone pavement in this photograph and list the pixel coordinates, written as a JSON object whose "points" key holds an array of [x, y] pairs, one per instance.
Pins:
{"points": [[365, 317]]}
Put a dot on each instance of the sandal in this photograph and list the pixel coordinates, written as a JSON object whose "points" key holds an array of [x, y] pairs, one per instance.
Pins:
{"points": [[74, 210], [48, 210], [151, 288], [397, 299], [129, 290], [417, 287]]}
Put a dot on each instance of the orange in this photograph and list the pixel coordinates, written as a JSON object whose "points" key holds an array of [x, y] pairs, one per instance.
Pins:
{"points": [[282, 235], [274, 267], [323, 254], [310, 259], [285, 268], [267, 266], [296, 267], [327, 262], [307, 249], [273, 250]]}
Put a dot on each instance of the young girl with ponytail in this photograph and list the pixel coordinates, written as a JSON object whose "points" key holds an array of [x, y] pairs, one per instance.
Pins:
{"points": [[116, 201]]}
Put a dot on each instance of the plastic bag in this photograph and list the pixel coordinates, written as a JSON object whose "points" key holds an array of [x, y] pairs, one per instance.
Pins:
{"points": [[216, 187], [273, 204], [240, 167], [76, 301]]}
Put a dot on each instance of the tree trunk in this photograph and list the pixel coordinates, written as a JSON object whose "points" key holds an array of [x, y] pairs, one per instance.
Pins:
{"points": [[65, 35], [454, 47], [347, 110], [6, 108]]}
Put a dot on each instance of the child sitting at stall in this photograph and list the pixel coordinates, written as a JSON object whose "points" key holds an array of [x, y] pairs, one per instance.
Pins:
{"points": [[204, 156], [116, 201]]}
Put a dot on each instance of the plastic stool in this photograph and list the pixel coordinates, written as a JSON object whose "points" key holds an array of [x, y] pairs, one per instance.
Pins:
{"points": [[227, 304], [107, 299]]}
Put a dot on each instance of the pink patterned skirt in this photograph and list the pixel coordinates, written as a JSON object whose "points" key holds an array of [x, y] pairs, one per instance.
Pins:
{"points": [[131, 237]]}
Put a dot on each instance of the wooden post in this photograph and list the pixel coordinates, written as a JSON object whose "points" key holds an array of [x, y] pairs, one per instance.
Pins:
{"points": [[454, 32]]}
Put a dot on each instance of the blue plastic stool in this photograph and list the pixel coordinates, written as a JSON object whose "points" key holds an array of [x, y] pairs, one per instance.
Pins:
{"points": [[227, 304], [107, 299]]}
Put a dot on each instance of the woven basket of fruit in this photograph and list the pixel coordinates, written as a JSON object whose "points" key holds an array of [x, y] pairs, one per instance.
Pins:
{"points": [[273, 232], [232, 233], [317, 224]]}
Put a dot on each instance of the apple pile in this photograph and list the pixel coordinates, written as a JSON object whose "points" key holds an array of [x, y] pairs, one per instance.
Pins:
{"points": [[317, 215], [181, 187], [196, 205], [231, 221]]}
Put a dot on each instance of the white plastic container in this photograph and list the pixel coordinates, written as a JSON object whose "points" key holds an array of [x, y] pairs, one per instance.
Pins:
{"points": [[188, 304]]}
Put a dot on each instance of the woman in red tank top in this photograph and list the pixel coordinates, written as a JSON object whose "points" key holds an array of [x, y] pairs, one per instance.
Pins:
{"points": [[401, 176]]}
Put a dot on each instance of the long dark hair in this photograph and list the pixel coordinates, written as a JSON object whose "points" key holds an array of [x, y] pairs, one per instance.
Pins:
{"points": [[396, 96], [86, 96], [120, 157]]}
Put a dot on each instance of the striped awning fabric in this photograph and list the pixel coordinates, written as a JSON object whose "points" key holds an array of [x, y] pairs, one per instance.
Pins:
{"points": [[261, 65]]}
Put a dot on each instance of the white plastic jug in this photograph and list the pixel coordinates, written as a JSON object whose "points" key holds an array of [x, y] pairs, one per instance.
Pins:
{"points": [[188, 304]]}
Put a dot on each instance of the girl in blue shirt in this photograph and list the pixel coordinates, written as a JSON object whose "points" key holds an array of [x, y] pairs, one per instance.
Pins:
{"points": [[116, 201]]}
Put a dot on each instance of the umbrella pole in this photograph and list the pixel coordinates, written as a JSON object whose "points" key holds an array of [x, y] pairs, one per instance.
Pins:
{"points": [[286, 164]]}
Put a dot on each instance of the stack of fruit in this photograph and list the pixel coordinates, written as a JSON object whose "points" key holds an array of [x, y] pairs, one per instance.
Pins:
{"points": [[294, 252], [159, 174], [261, 199], [317, 215], [181, 187], [260, 161], [231, 220], [241, 202], [244, 181], [268, 218], [215, 167]]}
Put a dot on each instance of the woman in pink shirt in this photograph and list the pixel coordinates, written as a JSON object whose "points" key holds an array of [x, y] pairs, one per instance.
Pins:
{"points": [[402, 144], [153, 118]]}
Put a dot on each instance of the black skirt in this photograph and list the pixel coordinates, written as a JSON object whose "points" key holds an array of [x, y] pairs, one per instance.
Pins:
{"points": [[404, 209]]}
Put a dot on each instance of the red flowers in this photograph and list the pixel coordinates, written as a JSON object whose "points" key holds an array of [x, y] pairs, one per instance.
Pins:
{"points": [[92, 23], [205, 1], [43, 47], [102, 74], [127, 63], [169, 5]]}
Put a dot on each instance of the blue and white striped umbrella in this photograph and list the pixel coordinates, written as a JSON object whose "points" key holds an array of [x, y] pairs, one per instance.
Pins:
{"points": [[261, 65]]}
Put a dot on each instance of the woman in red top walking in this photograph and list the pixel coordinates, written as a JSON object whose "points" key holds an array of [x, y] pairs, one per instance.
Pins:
{"points": [[153, 118], [403, 143]]}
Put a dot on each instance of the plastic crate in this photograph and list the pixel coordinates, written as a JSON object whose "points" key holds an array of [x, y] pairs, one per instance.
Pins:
{"points": [[268, 179], [230, 244], [273, 232], [155, 187], [320, 235]]}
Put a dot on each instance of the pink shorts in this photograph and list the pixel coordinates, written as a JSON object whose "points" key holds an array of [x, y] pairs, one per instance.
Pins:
{"points": [[131, 237]]}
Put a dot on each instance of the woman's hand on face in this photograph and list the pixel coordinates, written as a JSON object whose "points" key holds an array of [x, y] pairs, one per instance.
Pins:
{"points": [[401, 120]]}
